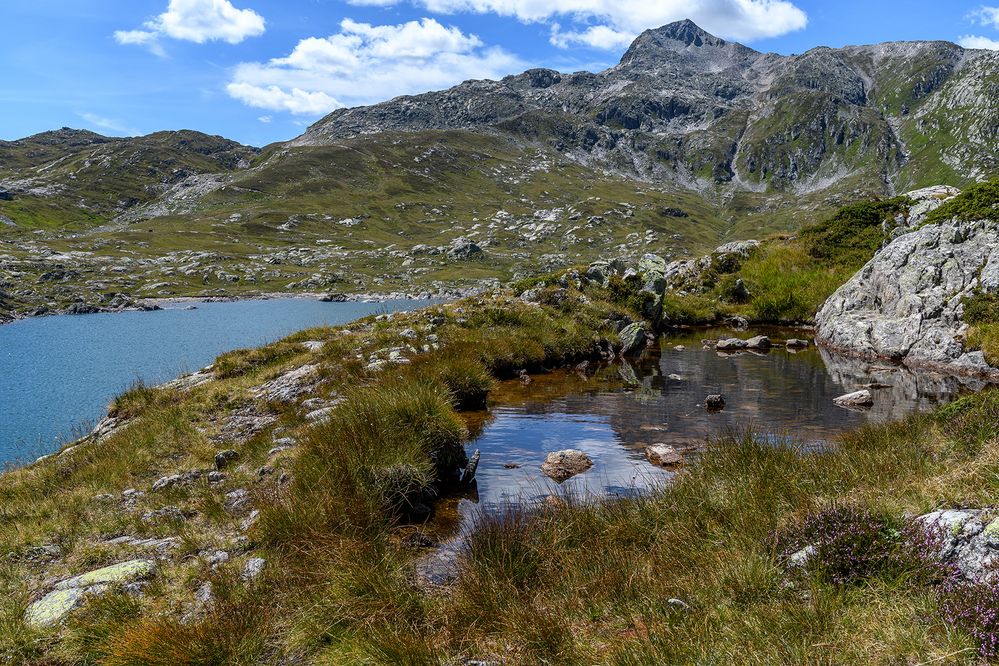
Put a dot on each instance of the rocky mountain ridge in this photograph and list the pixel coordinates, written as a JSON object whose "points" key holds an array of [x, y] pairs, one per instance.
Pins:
{"points": [[687, 108]]}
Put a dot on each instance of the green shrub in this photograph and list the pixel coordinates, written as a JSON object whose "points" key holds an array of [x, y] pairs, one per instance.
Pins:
{"points": [[978, 202], [852, 236]]}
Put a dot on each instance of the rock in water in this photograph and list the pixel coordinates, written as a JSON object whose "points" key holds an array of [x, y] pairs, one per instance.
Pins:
{"points": [[856, 399], [664, 455], [759, 343], [906, 303], [795, 343], [632, 338], [730, 345], [562, 465], [714, 403]]}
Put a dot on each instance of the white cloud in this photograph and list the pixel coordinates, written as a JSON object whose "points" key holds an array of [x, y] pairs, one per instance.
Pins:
{"points": [[987, 16], [265, 119], [365, 63], [978, 42], [106, 124], [596, 36], [196, 21], [608, 24]]}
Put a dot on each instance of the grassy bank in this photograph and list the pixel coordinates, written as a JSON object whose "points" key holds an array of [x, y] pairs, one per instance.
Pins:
{"points": [[693, 573], [787, 278]]}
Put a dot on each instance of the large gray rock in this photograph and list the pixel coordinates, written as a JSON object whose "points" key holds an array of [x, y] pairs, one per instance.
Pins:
{"points": [[72, 592], [633, 338], [968, 539], [905, 304]]}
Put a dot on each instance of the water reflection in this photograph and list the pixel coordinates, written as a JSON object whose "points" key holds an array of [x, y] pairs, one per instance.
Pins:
{"points": [[614, 414]]}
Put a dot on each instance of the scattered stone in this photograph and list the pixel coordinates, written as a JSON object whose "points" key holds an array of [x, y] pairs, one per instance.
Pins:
{"points": [[758, 343], [675, 377], [795, 343], [176, 480], [237, 501], [860, 398], [250, 520], [562, 465], [253, 568], [714, 403], [216, 477], [664, 455], [166, 514], [224, 458], [116, 573]]}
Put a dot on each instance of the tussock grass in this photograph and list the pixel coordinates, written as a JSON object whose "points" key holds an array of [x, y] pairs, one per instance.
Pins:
{"points": [[241, 361]]}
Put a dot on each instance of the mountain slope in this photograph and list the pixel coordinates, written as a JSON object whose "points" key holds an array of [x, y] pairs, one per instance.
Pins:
{"points": [[688, 109]]}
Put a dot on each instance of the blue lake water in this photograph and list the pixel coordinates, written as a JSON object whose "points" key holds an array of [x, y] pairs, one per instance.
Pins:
{"points": [[58, 374]]}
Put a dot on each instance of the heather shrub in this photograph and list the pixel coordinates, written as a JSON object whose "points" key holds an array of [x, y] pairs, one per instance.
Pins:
{"points": [[846, 544], [974, 608]]}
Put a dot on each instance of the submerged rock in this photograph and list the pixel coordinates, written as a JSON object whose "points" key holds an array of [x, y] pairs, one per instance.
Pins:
{"points": [[714, 403], [562, 465]]}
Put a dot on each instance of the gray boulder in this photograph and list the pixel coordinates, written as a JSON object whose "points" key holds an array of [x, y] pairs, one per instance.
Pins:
{"points": [[562, 465], [633, 338], [906, 303], [860, 398]]}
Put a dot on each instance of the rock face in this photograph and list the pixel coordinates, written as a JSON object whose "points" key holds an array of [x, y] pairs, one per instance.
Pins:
{"points": [[633, 338], [562, 465], [906, 303]]}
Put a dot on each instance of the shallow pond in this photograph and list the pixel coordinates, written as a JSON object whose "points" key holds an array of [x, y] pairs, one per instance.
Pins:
{"points": [[614, 413], [58, 374]]}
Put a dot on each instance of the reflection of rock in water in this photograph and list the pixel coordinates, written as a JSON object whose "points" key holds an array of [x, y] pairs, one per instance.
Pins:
{"points": [[907, 390]]}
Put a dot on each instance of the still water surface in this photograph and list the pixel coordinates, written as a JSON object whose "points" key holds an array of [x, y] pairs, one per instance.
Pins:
{"points": [[614, 414], [58, 374]]}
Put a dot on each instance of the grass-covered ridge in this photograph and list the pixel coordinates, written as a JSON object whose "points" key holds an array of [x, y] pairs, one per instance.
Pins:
{"points": [[788, 278]]}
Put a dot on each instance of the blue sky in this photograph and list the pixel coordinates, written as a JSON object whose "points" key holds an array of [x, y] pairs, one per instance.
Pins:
{"points": [[259, 71]]}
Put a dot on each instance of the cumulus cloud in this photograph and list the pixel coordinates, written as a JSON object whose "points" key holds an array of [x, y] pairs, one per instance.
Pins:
{"points": [[196, 21], [364, 63], [978, 42], [609, 24], [988, 16]]}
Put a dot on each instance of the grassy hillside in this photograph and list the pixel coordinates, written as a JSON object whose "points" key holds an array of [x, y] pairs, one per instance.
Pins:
{"points": [[695, 572]]}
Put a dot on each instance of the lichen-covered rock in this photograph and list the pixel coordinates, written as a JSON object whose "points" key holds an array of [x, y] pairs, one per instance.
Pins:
{"points": [[562, 465], [72, 592], [632, 338], [969, 539], [906, 303], [116, 573]]}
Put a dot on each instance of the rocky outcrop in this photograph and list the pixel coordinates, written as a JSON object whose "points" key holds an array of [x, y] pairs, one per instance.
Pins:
{"points": [[906, 303]]}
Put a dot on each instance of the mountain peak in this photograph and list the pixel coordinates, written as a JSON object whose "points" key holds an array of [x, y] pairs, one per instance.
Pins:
{"points": [[686, 31], [681, 36]]}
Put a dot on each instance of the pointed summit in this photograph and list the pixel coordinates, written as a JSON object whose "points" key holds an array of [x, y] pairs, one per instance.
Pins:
{"points": [[679, 37], [686, 31]]}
